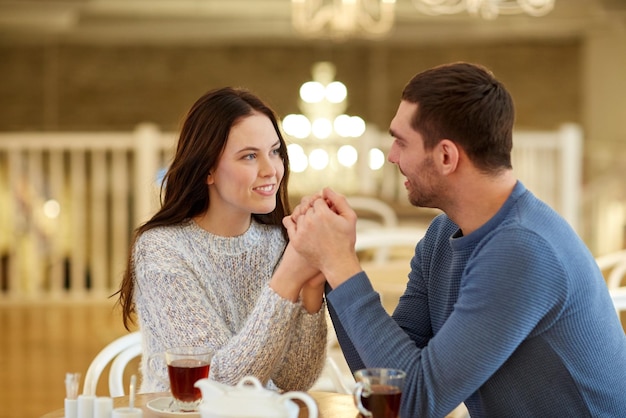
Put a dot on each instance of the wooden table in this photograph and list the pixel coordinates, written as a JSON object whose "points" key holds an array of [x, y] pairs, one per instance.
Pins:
{"points": [[330, 405]]}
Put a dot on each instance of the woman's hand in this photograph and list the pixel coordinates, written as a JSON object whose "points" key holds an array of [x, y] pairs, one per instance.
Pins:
{"points": [[324, 232], [292, 274]]}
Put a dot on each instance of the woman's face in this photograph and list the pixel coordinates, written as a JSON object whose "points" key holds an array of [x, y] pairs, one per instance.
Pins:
{"points": [[249, 171]]}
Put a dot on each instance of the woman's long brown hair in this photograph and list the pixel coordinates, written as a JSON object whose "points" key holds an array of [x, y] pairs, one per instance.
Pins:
{"points": [[184, 192]]}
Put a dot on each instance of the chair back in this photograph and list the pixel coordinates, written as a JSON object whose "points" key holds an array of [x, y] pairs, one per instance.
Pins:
{"points": [[382, 241], [118, 354], [613, 266], [372, 212], [618, 295], [332, 378]]}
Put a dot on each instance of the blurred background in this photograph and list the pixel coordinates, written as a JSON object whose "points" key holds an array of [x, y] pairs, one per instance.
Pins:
{"points": [[92, 93]]}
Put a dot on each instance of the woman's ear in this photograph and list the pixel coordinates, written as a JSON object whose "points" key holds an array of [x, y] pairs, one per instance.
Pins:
{"points": [[448, 156], [210, 179]]}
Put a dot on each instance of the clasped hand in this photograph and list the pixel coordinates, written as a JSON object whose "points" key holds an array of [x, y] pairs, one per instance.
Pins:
{"points": [[322, 229]]}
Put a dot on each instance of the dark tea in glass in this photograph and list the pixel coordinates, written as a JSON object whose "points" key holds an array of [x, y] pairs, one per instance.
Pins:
{"points": [[383, 401], [185, 366], [378, 392], [183, 374]]}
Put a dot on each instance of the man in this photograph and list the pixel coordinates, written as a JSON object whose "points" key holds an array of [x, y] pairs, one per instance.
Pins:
{"points": [[505, 308]]}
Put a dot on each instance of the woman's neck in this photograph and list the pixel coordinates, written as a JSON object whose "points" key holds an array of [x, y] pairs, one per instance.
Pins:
{"points": [[224, 224]]}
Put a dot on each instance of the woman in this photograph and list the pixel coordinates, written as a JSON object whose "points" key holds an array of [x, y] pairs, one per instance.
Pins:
{"points": [[213, 268]]}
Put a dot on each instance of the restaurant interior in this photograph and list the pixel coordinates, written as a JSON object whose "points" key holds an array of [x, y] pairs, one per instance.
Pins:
{"points": [[92, 94]]}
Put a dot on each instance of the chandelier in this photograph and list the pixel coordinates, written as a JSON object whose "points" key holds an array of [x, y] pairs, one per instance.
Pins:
{"points": [[341, 18], [324, 139], [488, 9]]}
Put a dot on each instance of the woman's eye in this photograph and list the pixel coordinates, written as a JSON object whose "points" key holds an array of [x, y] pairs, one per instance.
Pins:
{"points": [[249, 157], [276, 151]]}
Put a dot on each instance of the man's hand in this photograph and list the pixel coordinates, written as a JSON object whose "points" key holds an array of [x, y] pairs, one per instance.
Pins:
{"points": [[323, 230]]}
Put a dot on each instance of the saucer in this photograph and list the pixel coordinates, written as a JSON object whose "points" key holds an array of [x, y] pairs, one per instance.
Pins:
{"points": [[161, 407]]}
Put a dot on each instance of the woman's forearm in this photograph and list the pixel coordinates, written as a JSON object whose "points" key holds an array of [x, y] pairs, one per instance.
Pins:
{"points": [[312, 298]]}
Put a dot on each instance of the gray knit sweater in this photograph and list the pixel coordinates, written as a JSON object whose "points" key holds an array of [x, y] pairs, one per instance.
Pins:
{"points": [[196, 288]]}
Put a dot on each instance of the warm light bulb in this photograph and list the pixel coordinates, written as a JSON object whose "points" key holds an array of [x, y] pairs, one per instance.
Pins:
{"points": [[297, 158], [318, 159], [347, 155], [377, 159], [341, 125], [51, 209], [357, 126], [312, 92], [322, 128], [297, 126], [336, 92]]}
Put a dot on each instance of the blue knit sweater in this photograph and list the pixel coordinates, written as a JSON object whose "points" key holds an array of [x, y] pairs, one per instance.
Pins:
{"points": [[513, 319]]}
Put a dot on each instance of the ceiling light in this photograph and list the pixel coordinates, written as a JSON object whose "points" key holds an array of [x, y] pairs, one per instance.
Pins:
{"points": [[341, 18], [488, 9]]}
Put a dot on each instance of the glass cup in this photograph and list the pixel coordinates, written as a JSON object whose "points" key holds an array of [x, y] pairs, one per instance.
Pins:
{"points": [[378, 392], [185, 366]]}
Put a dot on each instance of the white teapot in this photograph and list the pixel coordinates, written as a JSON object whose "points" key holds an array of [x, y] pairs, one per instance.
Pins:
{"points": [[249, 399]]}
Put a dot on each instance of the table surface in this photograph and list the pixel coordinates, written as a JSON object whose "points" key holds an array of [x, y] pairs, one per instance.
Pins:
{"points": [[330, 405]]}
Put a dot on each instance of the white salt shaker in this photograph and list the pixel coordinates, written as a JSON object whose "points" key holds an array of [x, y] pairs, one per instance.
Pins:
{"points": [[85, 406], [102, 407], [71, 408]]}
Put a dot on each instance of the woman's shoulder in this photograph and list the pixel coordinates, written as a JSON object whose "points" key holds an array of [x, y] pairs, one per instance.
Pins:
{"points": [[163, 236]]}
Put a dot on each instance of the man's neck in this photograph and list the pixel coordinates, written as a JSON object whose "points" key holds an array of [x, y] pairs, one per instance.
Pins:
{"points": [[479, 198]]}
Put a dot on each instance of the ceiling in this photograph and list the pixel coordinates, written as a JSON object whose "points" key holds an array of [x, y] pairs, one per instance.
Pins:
{"points": [[267, 21]]}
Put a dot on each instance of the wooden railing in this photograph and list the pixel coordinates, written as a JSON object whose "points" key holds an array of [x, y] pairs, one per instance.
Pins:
{"points": [[604, 206], [69, 204], [104, 184], [549, 163]]}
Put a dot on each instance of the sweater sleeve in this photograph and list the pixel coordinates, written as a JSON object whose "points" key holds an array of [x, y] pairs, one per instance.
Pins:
{"points": [[305, 353], [174, 307]]}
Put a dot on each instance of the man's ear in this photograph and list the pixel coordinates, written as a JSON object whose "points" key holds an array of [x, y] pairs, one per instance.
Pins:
{"points": [[447, 156]]}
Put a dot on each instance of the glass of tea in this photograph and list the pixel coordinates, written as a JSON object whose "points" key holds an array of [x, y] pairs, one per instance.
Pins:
{"points": [[185, 366], [378, 392]]}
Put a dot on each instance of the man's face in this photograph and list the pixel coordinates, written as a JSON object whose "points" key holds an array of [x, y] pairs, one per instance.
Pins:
{"points": [[415, 163]]}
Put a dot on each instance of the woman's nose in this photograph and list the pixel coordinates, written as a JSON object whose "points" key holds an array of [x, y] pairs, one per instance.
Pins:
{"points": [[268, 168]]}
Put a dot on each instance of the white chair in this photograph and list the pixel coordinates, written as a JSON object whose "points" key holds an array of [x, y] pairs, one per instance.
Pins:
{"points": [[619, 298], [332, 378], [118, 354], [399, 236], [613, 266], [383, 240], [372, 212], [392, 250]]}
